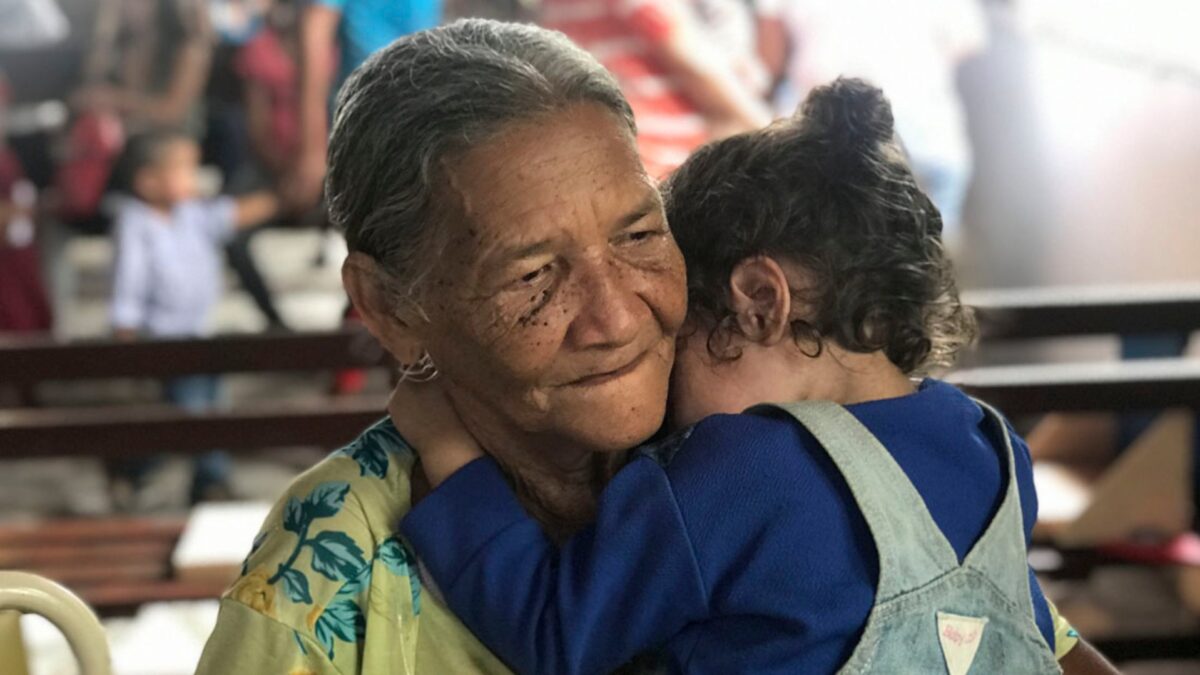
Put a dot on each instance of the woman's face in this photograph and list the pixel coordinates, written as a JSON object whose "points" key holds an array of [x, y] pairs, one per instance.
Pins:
{"points": [[554, 308]]}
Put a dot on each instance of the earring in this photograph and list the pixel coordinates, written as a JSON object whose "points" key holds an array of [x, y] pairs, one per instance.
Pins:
{"points": [[423, 370]]}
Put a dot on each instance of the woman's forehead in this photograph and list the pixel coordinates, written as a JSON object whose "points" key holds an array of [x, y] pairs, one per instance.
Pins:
{"points": [[570, 169]]}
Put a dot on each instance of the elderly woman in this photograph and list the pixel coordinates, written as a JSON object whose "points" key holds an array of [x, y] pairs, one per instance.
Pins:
{"points": [[505, 237]]}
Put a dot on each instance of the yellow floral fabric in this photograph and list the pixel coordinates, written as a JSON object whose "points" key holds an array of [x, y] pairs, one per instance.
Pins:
{"points": [[329, 588], [1065, 636]]}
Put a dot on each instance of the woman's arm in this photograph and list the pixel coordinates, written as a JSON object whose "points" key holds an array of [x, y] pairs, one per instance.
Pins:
{"points": [[249, 642], [1083, 659], [191, 61], [102, 49]]}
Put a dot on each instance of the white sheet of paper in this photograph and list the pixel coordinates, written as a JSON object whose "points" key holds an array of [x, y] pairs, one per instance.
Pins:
{"points": [[219, 533]]}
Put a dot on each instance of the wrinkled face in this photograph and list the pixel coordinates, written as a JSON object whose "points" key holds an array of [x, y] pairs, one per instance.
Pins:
{"points": [[553, 312]]}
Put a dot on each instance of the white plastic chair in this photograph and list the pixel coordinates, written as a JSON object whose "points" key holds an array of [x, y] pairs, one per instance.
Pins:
{"points": [[30, 594]]}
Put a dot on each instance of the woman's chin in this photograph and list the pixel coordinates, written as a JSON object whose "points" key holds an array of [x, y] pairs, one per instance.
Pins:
{"points": [[620, 414]]}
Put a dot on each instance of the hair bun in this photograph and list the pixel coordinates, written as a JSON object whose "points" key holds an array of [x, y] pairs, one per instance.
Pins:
{"points": [[853, 115]]}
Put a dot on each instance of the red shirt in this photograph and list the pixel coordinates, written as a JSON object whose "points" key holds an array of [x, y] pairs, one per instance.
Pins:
{"points": [[265, 62], [622, 35], [23, 303]]}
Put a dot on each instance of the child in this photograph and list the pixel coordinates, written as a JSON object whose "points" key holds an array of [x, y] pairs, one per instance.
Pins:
{"points": [[872, 525], [168, 273]]}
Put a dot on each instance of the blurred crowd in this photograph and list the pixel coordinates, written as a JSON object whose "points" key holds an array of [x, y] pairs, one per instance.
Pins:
{"points": [[245, 88], [190, 125]]}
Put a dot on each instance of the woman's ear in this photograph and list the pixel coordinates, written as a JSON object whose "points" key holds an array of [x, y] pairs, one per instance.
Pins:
{"points": [[761, 300], [364, 281]]}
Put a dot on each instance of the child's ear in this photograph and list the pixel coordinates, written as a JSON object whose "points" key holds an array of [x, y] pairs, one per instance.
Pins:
{"points": [[761, 300], [364, 284]]}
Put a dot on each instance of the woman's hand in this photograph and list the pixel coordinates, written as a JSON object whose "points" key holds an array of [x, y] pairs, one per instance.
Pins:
{"points": [[427, 419]]}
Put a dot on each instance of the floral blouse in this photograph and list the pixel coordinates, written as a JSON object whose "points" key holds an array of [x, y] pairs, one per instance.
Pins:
{"points": [[329, 587]]}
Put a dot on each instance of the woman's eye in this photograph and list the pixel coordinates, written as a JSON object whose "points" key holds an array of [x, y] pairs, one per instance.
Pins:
{"points": [[536, 274], [642, 235]]}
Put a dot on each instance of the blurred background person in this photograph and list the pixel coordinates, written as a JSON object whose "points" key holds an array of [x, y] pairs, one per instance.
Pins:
{"points": [[149, 63], [146, 66], [683, 91], [501, 10], [269, 72], [24, 306], [167, 273], [335, 37], [911, 50], [24, 303], [348, 31], [732, 26], [31, 23], [224, 145]]}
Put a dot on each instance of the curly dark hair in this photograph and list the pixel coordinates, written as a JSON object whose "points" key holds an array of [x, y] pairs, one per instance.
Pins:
{"points": [[830, 190]]}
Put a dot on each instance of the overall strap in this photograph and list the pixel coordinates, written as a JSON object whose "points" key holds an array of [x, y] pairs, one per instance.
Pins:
{"points": [[1001, 553], [912, 549]]}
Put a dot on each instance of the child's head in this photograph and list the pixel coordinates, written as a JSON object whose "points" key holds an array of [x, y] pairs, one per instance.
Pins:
{"points": [[812, 238], [160, 167]]}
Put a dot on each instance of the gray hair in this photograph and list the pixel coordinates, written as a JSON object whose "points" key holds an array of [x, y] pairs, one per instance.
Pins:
{"points": [[425, 97]]}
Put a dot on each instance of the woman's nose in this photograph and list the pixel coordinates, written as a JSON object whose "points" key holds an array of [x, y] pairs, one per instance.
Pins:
{"points": [[610, 310]]}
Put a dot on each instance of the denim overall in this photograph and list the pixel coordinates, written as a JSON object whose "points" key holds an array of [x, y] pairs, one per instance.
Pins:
{"points": [[931, 614]]}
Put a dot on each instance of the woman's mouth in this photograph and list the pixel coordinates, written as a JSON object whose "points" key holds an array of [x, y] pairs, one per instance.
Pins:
{"points": [[608, 376]]}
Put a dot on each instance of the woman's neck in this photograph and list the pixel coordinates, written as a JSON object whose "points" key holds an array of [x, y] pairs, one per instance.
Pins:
{"points": [[562, 500], [557, 481]]}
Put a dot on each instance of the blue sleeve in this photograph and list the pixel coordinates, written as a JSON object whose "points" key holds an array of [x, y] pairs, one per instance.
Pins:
{"points": [[339, 5], [131, 276], [614, 590], [1023, 464]]}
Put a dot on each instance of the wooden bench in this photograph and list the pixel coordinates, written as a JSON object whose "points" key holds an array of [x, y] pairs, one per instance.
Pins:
{"points": [[114, 564], [31, 361], [117, 564], [1123, 386], [128, 431], [1148, 384], [122, 432], [1015, 314]]}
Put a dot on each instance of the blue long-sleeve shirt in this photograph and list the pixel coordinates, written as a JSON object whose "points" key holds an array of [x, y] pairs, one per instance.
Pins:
{"points": [[742, 552]]}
